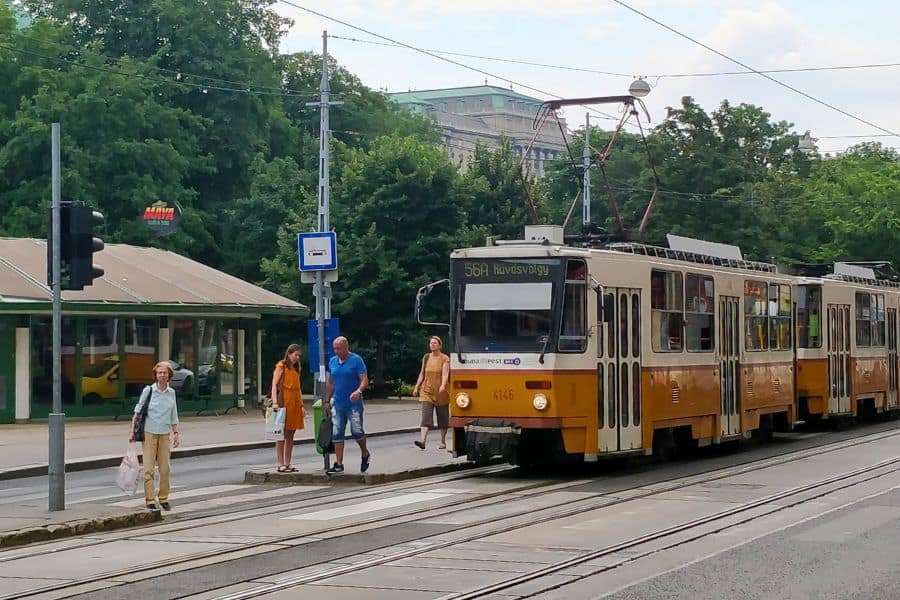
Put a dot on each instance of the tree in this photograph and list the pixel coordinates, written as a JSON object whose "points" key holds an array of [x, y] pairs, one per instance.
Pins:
{"points": [[123, 146], [493, 194]]}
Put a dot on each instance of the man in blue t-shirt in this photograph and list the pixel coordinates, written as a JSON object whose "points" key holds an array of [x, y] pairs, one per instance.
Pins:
{"points": [[347, 380]]}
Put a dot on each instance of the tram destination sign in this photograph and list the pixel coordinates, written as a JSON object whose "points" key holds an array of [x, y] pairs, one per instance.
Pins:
{"points": [[507, 270]]}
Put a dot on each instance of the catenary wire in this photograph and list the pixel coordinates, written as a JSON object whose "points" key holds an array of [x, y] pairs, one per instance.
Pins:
{"points": [[530, 63], [751, 69]]}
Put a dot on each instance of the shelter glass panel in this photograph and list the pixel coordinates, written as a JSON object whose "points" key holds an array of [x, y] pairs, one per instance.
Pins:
{"points": [[101, 369], [42, 362], [183, 357], [208, 367], [227, 359]]}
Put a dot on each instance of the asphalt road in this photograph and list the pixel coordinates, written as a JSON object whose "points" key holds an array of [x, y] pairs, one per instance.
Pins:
{"points": [[851, 554]]}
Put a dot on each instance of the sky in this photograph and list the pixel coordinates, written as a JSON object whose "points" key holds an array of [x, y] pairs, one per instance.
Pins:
{"points": [[600, 35]]}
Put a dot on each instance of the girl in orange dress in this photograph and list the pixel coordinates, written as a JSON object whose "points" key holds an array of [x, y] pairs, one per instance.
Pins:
{"points": [[286, 393]]}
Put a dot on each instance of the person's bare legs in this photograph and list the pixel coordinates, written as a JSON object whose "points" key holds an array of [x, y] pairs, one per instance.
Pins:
{"points": [[279, 452], [288, 444]]}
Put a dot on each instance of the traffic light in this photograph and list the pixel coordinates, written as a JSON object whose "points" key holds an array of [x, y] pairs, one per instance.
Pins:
{"points": [[66, 247], [82, 270]]}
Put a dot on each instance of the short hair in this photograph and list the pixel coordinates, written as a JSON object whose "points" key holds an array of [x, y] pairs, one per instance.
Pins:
{"points": [[167, 366]]}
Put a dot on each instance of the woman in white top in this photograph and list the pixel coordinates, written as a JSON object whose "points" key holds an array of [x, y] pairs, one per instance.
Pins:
{"points": [[162, 417]]}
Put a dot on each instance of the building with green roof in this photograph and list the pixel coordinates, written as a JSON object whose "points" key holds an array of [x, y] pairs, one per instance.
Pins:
{"points": [[485, 113]]}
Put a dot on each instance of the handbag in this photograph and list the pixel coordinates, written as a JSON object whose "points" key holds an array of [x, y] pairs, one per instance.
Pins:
{"points": [[142, 416]]}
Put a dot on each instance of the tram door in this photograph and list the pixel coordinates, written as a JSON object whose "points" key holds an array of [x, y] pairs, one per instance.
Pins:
{"points": [[729, 348], [838, 358], [892, 357], [619, 375]]}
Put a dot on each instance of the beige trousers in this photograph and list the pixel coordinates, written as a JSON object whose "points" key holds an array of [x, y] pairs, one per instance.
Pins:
{"points": [[156, 454]]}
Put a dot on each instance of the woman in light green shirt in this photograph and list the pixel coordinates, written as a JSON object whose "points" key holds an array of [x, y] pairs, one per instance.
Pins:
{"points": [[162, 417]]}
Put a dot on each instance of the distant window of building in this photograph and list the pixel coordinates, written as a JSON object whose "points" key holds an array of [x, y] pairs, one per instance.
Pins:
{"points": [[443, 107], [461, 105]]}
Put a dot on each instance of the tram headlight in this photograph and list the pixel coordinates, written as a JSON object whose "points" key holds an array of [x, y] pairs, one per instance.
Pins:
{"points": [[463, 400], [540, 402]]}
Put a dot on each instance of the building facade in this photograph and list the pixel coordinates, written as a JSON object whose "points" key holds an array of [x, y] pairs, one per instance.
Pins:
{"points": [[150, 305], [469, 115]]}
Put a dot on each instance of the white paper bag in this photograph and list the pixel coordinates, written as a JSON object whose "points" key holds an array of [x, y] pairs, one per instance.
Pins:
{"points": [[130, 471]]}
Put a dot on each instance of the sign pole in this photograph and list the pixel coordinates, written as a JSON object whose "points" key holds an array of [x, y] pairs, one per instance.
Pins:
{"points": [[56, 469], [321, 289]]}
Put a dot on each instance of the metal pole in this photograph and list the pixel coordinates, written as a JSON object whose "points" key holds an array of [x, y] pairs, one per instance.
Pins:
{"points": [[586, 155], [56, 470], [322, 289]]}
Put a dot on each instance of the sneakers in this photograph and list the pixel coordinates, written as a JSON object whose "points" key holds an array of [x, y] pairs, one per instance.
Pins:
{"points": [[419, 444], [364, 463], [152, 506], [334, 469], [165, 505]]}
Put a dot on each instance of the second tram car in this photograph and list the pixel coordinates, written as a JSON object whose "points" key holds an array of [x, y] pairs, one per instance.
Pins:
{"points": [[559, 350]]}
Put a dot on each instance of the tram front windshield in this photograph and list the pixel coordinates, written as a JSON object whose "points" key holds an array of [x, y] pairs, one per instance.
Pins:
{"points": [[504, 305]]}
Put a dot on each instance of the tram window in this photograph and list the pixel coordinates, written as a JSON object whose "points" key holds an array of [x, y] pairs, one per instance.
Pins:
{"points": [[573, 332], [870, 329], [699, 313], [878, 329], [666, 314], [779, 317], [756, 330], [635, 325], [809, 316], [863, 320]]}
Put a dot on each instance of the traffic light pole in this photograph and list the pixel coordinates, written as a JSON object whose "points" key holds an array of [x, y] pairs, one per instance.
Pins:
{"points": [[57, 420]]}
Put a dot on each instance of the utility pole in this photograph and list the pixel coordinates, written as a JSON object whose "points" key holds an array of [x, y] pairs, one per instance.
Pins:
{"points": [[322, 289], [586, 155], [56, 470]]}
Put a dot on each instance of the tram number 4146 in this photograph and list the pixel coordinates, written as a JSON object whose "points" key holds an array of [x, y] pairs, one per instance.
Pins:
{"points": [[505, 395]]}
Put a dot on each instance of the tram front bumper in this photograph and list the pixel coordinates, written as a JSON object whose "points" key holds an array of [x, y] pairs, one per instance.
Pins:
{"points": [[487, 438]]}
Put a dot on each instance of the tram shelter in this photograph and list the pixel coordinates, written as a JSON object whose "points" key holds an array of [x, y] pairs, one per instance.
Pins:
{"points": [[150, 305]]}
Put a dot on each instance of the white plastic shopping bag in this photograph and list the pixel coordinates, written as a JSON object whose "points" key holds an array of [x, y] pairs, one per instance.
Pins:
{"points": [[130, 471], [274, 424]]}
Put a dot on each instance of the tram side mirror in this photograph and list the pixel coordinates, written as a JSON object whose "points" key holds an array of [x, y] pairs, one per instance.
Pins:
{"points": [[431, 308]]}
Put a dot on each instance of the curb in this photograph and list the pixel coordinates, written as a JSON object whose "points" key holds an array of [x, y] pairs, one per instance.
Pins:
{"points": [[369, 479], [98, 462], [30, 535]]}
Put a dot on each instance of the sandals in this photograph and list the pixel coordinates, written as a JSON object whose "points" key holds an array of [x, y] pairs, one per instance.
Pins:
{"points": [[287, 469], [443, 446], [282, 469]]}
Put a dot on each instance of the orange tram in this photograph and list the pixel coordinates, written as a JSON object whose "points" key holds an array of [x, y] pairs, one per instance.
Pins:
{"points": [[628, 348]]}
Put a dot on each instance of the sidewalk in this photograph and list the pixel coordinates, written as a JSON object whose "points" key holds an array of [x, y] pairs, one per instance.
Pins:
{"points": [[94, 444]]}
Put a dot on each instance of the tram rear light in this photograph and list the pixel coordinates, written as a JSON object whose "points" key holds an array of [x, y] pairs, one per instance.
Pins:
{"points": [[538, 385], [463, 400], [465, 385]]}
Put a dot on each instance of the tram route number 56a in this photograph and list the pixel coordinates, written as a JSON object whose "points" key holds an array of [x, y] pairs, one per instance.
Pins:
{"points": [[504, 395]]}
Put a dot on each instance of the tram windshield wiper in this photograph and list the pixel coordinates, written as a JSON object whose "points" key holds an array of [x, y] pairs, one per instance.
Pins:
{"points": [[544, 348]]}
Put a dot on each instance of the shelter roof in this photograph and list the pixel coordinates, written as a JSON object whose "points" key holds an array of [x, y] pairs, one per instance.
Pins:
{"points": [[136, 276]]}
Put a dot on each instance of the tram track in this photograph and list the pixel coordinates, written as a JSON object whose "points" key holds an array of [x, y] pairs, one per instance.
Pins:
{"points": [[573, 509], [454, 505]]}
